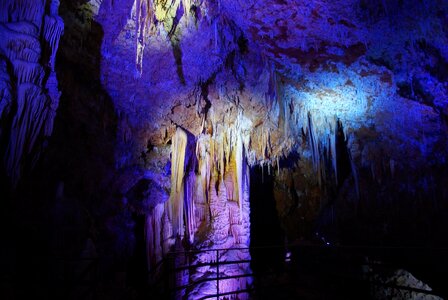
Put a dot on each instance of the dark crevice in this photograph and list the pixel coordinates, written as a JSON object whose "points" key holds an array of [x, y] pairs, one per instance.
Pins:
{"points": [[265, 224], [177, 52], [342, 155], [204, 85]]}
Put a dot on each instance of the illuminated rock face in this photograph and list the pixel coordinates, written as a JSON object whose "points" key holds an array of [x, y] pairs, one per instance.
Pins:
{"points": [[342, 101], [290, 67], [231, 85], [208, 208]]}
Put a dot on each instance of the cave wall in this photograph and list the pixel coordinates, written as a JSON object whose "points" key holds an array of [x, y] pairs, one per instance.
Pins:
{"points": [[303, 75], [157, 111]]}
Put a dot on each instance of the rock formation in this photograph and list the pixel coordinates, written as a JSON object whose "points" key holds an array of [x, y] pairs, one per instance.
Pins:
{"points": [[30, 94], [342, 103]]}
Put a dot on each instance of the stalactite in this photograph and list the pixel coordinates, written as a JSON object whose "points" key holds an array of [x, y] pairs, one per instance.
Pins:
{"points": [[230, 182], [144, 22], [26, 54], [187, 7], [28, 72], [355, 175], [239, 160], [189, 206], [23, 27], [53, 30], [13, 43], [219, 189], [286, 119], [227, 145], [333, 134], [167, 230], [203, 161], [32, 113], [35, 91], [25, 10], [153, 236], [6, 96], [176, 207], [54, 94], [314, 143], [222, 167]]}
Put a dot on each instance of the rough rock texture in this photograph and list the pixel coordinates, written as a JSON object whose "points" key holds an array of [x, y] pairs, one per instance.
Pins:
{"points": [[312, 78], [401, 278], [167, 104]]}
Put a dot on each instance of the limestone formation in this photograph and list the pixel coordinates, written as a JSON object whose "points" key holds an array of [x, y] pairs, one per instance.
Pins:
{"points": [[25, 30]]}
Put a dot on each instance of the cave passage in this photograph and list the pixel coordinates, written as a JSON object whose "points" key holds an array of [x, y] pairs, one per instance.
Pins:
{"points": [[265, 229]]}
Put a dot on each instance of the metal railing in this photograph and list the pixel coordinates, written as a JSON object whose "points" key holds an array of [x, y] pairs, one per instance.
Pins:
{"points": [[181, 261], [216, 262]]}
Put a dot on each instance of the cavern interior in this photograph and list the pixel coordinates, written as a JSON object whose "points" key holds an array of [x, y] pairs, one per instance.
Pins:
{"points": [[224, 149]]}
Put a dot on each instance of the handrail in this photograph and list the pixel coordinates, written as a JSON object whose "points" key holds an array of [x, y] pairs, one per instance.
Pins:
{"points": [[216, 263], [228, 262], [202, 280], [310, 246], [227, 293]]}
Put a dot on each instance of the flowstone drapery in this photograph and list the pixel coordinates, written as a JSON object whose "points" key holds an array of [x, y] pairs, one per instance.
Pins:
{"points": [[26, 31]]}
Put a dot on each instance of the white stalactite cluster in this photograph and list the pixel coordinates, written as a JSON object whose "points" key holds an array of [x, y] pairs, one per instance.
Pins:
{"points": [[35, 91], [209, 200], [177, 196], [305, 128], [145, 13]]}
